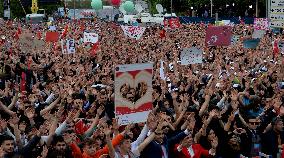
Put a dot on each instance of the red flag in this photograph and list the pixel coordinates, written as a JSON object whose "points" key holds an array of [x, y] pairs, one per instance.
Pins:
{"points": [[218, 36], [23, 82], [38, 35], [162, 34], [79, 127], [65, 32], [275, 48], [94, 48], [51, 36], [19, 31]]}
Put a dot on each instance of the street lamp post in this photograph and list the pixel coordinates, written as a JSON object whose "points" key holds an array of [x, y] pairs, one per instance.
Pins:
{"points": [[211, 8], [171, 7], [256, 8], [74, 8]]}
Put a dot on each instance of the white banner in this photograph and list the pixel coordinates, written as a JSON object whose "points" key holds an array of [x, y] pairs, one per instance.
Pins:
{"points": [[90, 37], [135, 32], [133, 104], [191, 56], [277, 3]]}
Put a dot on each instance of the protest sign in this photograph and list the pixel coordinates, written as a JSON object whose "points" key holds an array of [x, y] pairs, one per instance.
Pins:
{"points": [[261, 24], [68, 46], [51, 36], [218, 36], [90, 37], [133, 108], [235, 39], [52, 28], [135, 32], [251, 43], [191, 56]]}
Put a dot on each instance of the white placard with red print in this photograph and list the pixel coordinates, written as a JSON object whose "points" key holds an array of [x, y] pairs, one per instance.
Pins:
{"points": [[91, 37], [135, 32], [133, 92]]}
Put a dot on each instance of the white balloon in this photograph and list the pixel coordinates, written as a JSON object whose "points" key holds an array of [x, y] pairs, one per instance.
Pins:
{"points": [[159, 8], [138, 8]]}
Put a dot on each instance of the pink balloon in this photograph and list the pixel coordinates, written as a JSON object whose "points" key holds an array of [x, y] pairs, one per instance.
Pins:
{"points": [[115, 2]]}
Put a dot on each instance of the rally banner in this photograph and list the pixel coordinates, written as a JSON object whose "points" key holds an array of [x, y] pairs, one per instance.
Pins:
{"points": [[261, 24], [133, 92], [218, 36], [251, 43], [191, 56], [172, 23], [135, 32], [68, 46], [90, 37]]}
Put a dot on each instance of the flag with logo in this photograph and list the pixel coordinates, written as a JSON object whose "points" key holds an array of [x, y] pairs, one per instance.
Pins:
{"points": [[174, 23], [218, 36], [90, 37], [261, 24], [135, 32]]}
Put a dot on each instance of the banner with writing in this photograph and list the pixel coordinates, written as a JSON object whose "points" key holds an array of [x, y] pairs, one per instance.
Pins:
{"points": [[135, 32]]}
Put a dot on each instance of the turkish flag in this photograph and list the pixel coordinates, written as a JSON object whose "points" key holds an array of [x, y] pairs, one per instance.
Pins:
{"points": [[218, 36], [51, 36], [38, 35]]}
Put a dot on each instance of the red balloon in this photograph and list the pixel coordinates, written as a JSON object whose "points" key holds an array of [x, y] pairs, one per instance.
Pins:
{"points": [[115, 2]]}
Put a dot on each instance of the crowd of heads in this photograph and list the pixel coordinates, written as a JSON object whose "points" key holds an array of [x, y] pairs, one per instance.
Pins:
{"points": [[62, 105]]}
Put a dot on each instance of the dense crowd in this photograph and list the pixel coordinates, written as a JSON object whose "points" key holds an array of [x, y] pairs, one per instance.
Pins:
{"points": [[56, 105]]}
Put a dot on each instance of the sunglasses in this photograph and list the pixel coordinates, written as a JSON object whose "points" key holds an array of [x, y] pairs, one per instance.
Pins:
{"points": [[254, 123]]}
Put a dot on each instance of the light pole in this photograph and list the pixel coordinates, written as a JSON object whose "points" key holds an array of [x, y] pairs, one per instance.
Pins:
{"points": [[211, 8], [171, 7], [256, 8], [74, 8]]}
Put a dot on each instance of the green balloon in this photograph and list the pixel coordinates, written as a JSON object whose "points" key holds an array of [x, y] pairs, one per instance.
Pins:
{"points": [[97, 4], [128, 6]]}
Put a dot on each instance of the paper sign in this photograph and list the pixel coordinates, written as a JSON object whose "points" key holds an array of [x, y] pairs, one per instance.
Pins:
{"points": [[133, 107], [70, 46], [235, 39], [258, 34], [52, 28], [135, 32], [281, 46], [51, 36], [91, 37], [218, 36], [191, 56], [251, 43], [261, 23]]}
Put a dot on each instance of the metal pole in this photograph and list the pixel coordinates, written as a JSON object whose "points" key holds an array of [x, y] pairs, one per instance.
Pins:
{"points": [[211, 8], [256, 8], [74, 9], [171, 7]]}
